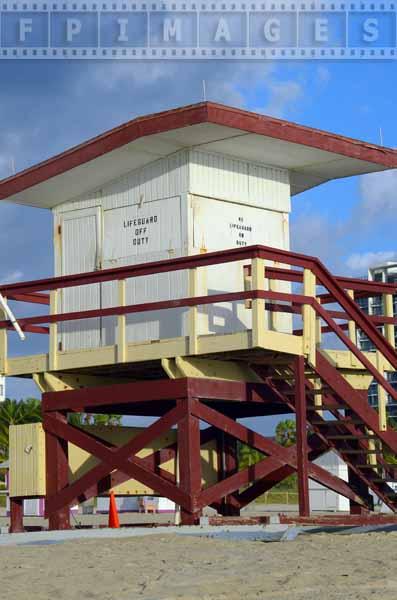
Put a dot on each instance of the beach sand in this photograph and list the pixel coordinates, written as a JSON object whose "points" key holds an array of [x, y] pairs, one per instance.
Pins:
{"points": [[321, 566]]}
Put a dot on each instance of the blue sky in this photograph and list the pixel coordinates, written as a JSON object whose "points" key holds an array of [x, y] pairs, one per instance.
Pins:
{"points": [[45, 107]]}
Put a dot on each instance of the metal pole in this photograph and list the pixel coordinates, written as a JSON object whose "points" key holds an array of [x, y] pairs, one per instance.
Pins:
{"points": [[11, 317]]}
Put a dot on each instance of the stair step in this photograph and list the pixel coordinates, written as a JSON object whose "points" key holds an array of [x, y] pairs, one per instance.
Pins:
{"points": [[351, 437], [326, 407], [311, 392], [339, 422], [343, 451]]}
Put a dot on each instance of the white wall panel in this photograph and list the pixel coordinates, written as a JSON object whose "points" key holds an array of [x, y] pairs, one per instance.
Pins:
{"points": [[219, 225], [162, 178], [81, 249], [137, 234], [218, 176], [149, 215]]}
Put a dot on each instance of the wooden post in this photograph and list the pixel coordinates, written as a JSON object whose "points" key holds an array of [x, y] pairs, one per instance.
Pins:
{"points": [[362, 490], [189, 461], [382, 396], [121, 325], [16, 515], [193, 312], [53, 351], [3, 344], [317, 383], [389, 312], [352, 329], [273, 315], [354, 480], [57, 472], [309, 317], [258, 305], [301, 437], [230, 506]]}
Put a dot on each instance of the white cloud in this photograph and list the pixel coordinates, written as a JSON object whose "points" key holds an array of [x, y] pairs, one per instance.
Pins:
{"points": [[313, 234], [378, 198], [282, 96], [323, 75], [111, 76], [361, 262], [12, 277]]}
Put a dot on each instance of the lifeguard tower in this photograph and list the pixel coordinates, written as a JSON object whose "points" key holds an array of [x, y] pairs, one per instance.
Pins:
{"points": [[176, 296]]}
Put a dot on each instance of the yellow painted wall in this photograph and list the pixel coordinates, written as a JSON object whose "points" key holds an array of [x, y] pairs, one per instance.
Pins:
{"points": [[27, 458]]}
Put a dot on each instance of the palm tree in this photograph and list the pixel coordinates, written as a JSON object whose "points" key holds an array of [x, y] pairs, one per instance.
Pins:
{"points": [[29, 411], [248, 456], [16, 413], [286, 433]]}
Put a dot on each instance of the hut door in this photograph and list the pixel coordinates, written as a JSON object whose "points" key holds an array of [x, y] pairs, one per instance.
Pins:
{"points": [[81, 234]]}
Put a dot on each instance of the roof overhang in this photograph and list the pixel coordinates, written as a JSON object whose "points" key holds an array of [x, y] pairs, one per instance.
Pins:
{"points": [[311, 156]]}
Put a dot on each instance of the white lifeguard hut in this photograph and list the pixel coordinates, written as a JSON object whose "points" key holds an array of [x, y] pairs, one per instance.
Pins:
{"points": [[193, 180], [173, 297]]}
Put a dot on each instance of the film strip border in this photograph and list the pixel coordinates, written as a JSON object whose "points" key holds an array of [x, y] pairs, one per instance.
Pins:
{"points": [[289, 35]]}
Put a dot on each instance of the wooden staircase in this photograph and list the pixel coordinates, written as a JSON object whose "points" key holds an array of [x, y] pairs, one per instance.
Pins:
{"points": [[342, 418]]}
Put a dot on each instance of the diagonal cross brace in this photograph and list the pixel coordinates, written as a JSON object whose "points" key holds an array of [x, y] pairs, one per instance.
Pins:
{"points": [[353, 400], [120, 458], [152, 461], [316, 448], [274, 450]]}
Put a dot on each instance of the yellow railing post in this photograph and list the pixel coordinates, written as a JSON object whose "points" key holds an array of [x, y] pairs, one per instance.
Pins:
{"points": [[258, 304], [352, 330], [389, 312], [318, 396], [121, 324], [273, 315], [309, 317], [193, 312], [247, 278], [53, 350], [372, 458], [3, 344], [382, 396]]}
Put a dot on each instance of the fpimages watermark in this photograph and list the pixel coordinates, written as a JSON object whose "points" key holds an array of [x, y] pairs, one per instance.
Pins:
{"points": [[198, 30]]}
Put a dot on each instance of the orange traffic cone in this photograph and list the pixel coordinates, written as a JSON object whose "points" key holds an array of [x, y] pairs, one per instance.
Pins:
{"points": [[114, 521]]}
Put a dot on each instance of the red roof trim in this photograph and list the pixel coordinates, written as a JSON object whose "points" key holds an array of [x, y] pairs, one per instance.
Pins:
{"points": [[206, 112]]}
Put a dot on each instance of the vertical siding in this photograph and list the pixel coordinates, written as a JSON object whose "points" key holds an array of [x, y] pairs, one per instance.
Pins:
{"points": [[80, 247], [269, 187], [162, 239], [219, 225], [224, 188], [27, 460], [218, 176], [161, 178]]}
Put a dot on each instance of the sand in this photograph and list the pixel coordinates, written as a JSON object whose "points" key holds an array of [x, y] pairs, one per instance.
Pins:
{"points": [[321, 566]]}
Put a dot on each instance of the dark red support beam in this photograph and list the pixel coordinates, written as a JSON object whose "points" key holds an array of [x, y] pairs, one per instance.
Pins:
{"points": [[16, 515], [317, 447], [32, 298], [230, 506], [189, 458], [120, 458], [301, 437], [57, 471], [274, 450]]}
